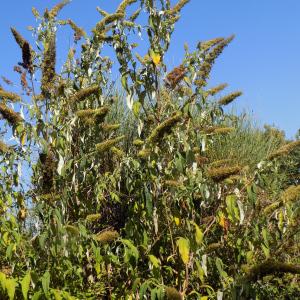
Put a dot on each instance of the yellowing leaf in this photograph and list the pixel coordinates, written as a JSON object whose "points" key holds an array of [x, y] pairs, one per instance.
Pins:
{"points": [[154, 260], [23, 139], [204, 298], [222, 221], [155, 58], [11, 288], [184, 249], [25, 283], [177, 221], [198, 234]]}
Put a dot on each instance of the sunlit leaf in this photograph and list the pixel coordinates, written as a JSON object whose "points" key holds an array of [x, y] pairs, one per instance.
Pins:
{"points": [[184, 249]]}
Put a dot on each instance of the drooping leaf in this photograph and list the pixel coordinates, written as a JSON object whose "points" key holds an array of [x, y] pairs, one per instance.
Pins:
{"points": [[184, 249], [25, 283]]}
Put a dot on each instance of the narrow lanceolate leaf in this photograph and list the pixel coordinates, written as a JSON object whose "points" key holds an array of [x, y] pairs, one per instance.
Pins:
{"points": [[184, 249], [46, 282], [198, 234], [25, 283], [11, 288]]}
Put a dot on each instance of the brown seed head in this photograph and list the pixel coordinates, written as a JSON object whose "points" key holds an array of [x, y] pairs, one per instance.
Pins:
{"points": [[221, 173], [173, 294], [12, 117], [9, 96], [106, 237], [229, 98]]}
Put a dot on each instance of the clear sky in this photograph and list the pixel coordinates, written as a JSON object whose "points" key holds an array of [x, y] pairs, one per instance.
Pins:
{"points": [[263, 61]]}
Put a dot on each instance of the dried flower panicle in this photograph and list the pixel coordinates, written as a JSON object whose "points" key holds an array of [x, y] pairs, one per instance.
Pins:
{"points": [[72, 229], [92, 116], [135, 15], [12, 117], [27, 57], [18, 37], [48, 66], [209, 60], [106, 237], [7, 81], [174, 77], [218, 130], [221, 173], [207, 45], [224, 130], [285, 149], [9, 96], [164, 128], [109, 143], [4, 148], [291, 194], [50, 197], [172, 294], [144, 154], [93, 218], [172, 183], [123, 5], [18, 69], [49, 166], [57, 8], [27, 51], [35, 12], [138, 142], [229, 98], [78, 32], [201, 160], [118, 152], [102, 12], [100, 26], [215, 90], [221, 162], [271, 207], [178, 7], [110, 127], [84, 93]]}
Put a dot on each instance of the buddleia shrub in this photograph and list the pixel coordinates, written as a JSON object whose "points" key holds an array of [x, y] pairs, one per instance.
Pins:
{"points": [[142, 188]]}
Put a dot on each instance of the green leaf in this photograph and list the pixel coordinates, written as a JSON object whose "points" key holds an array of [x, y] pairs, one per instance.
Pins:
{"points": [[56, 294], [136, 108], [198, 234], [25, 283], [11, 288], [154, 260], [37, 295], [266, 250], [131, 250], [232, 208], [184, 249], [46, 282], [2, 280]]}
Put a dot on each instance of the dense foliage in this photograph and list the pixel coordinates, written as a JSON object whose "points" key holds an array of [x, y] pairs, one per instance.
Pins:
{"points": [[147, 189]]}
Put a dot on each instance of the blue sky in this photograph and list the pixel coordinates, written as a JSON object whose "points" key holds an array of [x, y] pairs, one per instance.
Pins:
{"points": [[263, 61]]}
